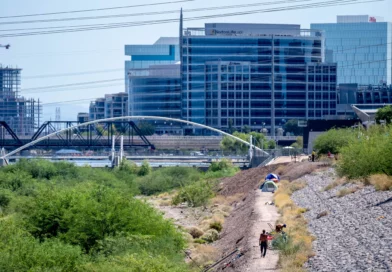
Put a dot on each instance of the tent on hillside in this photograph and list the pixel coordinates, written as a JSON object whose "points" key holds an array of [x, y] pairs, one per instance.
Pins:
{"points": [[272, 176], [269, 186]]}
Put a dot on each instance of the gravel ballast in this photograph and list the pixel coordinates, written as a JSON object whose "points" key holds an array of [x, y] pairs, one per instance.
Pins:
{"points": [[356, 232]]}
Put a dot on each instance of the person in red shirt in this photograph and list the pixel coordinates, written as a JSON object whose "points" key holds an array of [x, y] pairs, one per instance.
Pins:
{"points": [[263, 242]]}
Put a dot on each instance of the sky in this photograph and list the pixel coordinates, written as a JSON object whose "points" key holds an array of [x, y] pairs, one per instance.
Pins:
{"points": [[72, 56]]}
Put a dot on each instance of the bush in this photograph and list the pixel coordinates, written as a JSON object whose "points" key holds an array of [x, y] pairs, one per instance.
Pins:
{"points": [[128, 167], [369, 153], [216, 226], [5, 199], [221, 165], [381, 182], [200, 241], [333, 140], [81, 219], [195, 232], [145, 169], [195, 195], [19, 251], [166, 179], [346, 191], [210, 236]]}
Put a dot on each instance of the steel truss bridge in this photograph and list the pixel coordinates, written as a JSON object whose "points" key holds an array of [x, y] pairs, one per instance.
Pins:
{"points": [[97, 135]]}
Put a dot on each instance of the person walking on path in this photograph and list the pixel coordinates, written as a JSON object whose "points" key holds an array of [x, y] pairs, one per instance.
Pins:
{"points": [[313, 155], [263, 242]]}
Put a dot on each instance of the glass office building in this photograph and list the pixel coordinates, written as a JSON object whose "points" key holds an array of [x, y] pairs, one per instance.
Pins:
{"points": [[163, 51], [362, 47], [255, 75], [156, 91]]}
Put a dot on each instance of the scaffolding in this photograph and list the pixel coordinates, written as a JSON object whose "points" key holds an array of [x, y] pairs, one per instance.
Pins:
{"points": [[21, 114]]}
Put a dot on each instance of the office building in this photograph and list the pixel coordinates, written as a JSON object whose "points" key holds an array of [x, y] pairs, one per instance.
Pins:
{"points": [[156, 91], [112, 105], [116, 105], [361, 45], [164, 51], [21, 114], [256, 75], [97, 109]]}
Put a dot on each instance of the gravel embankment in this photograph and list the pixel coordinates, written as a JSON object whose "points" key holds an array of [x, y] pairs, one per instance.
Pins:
{"points": [[356, 235]]}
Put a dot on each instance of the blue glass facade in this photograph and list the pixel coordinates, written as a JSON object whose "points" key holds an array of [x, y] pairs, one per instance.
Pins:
{"points": [[251, 79], [156, 91], [164, 51], [362, 49]]}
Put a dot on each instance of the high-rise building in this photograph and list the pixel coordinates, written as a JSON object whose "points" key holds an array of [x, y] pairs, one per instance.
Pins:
{"points": [[21, 114], [156, 91], [116, 105], [97, 109], [258, 75], [164, 51], [361, 45], [112, 105]]}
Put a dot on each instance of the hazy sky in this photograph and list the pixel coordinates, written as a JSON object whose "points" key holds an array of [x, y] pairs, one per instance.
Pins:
{"points": [[74, 53]]}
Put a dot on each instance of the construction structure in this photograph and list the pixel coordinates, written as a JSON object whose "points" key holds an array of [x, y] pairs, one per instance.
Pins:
{"points": [[21, 114]]}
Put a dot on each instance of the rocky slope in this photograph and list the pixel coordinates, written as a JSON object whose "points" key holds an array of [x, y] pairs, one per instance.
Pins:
{"points": [[356, 233]]}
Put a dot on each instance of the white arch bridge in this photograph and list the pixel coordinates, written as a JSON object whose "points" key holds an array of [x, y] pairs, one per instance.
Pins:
{"points": [[252, 149]]}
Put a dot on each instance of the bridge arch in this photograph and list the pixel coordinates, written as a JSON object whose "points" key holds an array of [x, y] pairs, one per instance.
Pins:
{"points": [[127, 117]]}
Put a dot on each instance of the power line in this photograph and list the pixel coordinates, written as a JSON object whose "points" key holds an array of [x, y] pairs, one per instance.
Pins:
{"points": [[141, 23], [53, 87], [122, 69], [73, 84], [143, 14], [74, 74], [91, 10]]}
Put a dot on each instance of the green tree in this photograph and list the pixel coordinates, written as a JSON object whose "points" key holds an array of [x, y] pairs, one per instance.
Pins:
{"points": [[292, 127], [145, 169], [384, 114], [333, 140], [299, 143], [259, 139]]}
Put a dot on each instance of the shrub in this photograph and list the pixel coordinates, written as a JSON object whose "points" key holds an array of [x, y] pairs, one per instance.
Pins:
{"points": [[145, 169], [296, 248], [81, 219], [333, 140], [195, 195], [369, 153], [346, 191], [221, 165], [381, 182], [195, 232], [200, 241], [166, 179], [19, 251], [216, 226], [333, 185], [211, 236], [128, 167], [5, 199]]}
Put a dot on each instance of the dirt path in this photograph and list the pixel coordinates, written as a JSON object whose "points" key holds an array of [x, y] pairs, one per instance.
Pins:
{"points": [[263, 214]]}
